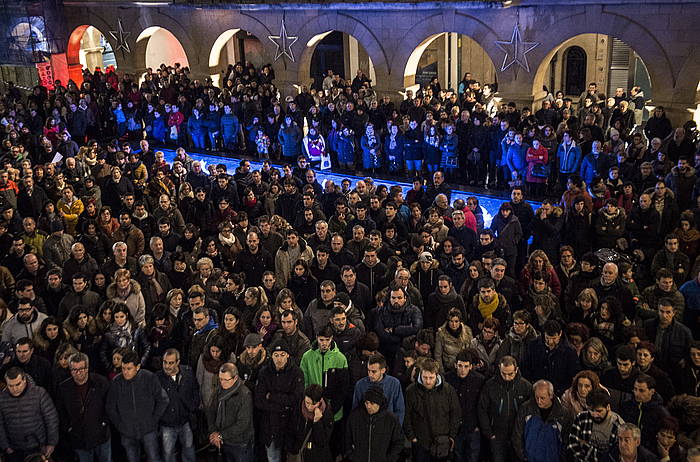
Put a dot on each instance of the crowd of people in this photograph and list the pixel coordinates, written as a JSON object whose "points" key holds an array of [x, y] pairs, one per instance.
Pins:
{"points": [[154, 308]]}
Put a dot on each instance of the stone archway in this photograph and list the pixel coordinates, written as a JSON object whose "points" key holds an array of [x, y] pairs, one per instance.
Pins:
{"points": [[340, 22], [76, 45], [160, 46], [234, 45]]}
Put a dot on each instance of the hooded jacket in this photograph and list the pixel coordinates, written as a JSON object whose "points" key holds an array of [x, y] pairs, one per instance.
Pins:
{"points": [[330, 370], [431, 413], [447, 345], [536, 439], [136, 406], [277, 393], [15, 328], [135, 301], [373, 438], [283, 263]]}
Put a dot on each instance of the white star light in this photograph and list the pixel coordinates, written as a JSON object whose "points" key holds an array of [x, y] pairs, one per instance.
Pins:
{"points": [[516, 50], [284, 43], [120, 36]]}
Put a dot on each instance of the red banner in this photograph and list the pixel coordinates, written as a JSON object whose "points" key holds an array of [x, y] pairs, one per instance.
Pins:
{"points": [[46, 76]]}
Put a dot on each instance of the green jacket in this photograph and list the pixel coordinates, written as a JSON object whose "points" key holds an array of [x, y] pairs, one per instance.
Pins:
{"points": [[330, 370]]}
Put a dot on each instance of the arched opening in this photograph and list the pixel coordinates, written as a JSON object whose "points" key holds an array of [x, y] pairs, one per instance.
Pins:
{"points": [[341, 53], [575, 71], [231, 47], [600, 58], [162, 47], [88, 48], [448, 56]]}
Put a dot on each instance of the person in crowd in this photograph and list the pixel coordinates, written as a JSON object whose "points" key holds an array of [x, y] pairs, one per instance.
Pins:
{"points": [[594, 433]]}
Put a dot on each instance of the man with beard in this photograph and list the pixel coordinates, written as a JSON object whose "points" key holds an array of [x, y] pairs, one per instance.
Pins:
{"points": [[441, 302], [594, 432], [24, 323], [396, 321]]}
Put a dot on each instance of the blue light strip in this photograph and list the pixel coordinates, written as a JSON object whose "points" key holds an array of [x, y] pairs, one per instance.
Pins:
{"points": [[489, 204]]}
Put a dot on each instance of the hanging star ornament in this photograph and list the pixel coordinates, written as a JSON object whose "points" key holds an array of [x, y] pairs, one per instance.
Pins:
{"points": [[284, 43], [516, 50], [120, 36]]}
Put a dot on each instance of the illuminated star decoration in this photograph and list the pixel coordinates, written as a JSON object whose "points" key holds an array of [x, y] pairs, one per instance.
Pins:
{"points": [[516, 50], [284, 43], [120, 36]]}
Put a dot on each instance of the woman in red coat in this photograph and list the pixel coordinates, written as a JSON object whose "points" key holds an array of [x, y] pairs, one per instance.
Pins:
{"points": [[536, 158]]}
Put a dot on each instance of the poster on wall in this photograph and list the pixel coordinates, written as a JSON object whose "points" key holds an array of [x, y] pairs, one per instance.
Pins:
{"points": [[46, 75]]}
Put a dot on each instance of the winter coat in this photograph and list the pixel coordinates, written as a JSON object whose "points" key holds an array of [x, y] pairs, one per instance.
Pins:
{"points": [[438, 305], [448, 151], [558, 365], [394, 152], [608, 229], [569, 158], [404, 322], [593, 166], [431, 413], [14, 329], [277, 393], [136, 406], [546, 233], [515, 158], [682, 184], [370, 160], [468, 390], [509, 233], [231, 414], [647, 416], [85, 422], [28, 421], [70, 213], [538, 440], [183, 395], [447, 346], [373, 438], [345, 147], [413, 145], [675, 341], [289, 138], [330, 370], [514, 345], [499, 403], [230, 126], [135, 301], [283, 263], [536, 157], [111, 340]]}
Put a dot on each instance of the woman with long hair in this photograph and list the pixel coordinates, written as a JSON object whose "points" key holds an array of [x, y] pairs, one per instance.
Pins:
{"points": [[594, 356], [303, 284], [81, 329], [124, 332], [265, 324], [254, 298], [470, 287], [539, 262], [286, 301], [49, 337], [233, 331], [207, 369], [574, 398]]}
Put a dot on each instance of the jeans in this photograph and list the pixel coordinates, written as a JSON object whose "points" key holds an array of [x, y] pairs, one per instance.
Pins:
{"points": [[101, 453], [198, 139], [170, 437], [467, 446], [151, 445], [432, 168], [414, 164], [274, 452], [235, 453]]}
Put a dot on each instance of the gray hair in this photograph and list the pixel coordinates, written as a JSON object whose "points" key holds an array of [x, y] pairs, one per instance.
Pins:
{"points": [[146, 259], [79, 358], [628, 427], [544, 384], [229, 368], [119, 244], [154, 239], [498, 262]]}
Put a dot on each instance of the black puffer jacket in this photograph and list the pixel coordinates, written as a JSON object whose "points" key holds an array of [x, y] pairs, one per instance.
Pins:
{"points": [[431, 413], [29, 420], [499, 403]]}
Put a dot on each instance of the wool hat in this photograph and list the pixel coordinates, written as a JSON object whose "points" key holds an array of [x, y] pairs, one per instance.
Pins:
{"points": [[279, 345], [425, 257], [343, 299]]}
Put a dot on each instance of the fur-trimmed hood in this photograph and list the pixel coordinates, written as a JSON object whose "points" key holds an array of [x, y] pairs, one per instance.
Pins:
{"points": [[135, 288]]}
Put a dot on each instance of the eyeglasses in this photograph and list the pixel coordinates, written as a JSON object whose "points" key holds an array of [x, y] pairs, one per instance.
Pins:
{"points": [[519, 323]]}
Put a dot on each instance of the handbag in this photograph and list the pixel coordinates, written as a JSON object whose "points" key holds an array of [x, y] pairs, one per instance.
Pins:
{"points": [[325, 161], [540, 171]]}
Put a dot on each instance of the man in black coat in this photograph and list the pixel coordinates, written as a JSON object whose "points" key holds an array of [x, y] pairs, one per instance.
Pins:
{"points": [[373, 433], [254, 260], [551, 357], [81, 408], [37, 367], [182, 389], [467, 382], [279, 390], [672, 338]]}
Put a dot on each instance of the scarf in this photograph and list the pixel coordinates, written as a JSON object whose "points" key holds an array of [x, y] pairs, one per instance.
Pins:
{"points": [[153, 281], [449, 298], [610, 216], [688, 236], [122, 334], [211, 365], [456, 333], [488, 345], [308, 415], [221, 397], [173, 311], [487, 309], [228, 242], [124, 293]]}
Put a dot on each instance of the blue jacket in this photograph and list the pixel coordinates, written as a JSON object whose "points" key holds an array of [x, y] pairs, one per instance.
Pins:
{"points": [[413, 145], [397, 152], [290, 140], [229, 125], [431, 152], [569, 158], [368, 160], [594, 166], [515, 157], [392, 391], [196, 126], [537, 440], [345, 147], [212, 121], [691, 292], [159, 128], [448, 148]]}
